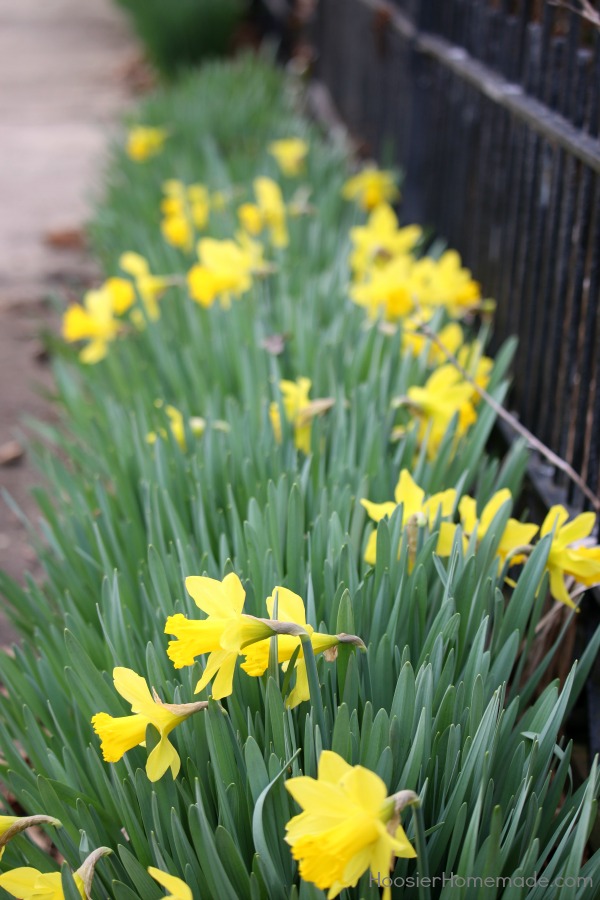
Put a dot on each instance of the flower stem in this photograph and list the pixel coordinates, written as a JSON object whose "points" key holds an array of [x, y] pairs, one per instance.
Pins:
{"points": [[314, 688]]}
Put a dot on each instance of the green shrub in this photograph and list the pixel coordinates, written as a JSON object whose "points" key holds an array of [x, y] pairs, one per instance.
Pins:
{"points": [[182, 33]]}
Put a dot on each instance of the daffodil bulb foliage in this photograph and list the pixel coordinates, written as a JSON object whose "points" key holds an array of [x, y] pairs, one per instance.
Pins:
{"points": [[227, 633], [348, 825], [27, 883], [122, 733]]}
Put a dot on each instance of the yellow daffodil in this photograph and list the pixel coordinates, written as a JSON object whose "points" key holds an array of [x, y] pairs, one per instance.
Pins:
{"points": [[444, 395], [290, 155], [294, 396], [178, 889], [272, 210], [299, 411], [416, 511], [250, 218], [371, 187], [516, 534], [11, 826], [224, 271], [580, 563], [123, 733], [380, 240], [268, 212], [223, 602], [149, 286], [250, 636], [93, 321], [386, 292], [196, 424], [27, 883], [395, 288], [185, 209], [451, 336], [144, 142], [444, 282], [348, 825]]}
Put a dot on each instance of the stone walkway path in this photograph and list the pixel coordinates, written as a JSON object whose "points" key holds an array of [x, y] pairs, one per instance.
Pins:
{"points": [[63, 83]]}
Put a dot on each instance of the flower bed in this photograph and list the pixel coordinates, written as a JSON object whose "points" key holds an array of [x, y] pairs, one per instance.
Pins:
{"points": [[281, 643]]}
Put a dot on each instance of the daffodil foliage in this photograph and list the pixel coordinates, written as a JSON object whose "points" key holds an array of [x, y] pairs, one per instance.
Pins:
{"points": [[281, 643]]}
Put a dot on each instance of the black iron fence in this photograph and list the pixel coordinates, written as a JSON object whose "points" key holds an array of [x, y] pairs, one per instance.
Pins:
{"points": [[493, 111]]}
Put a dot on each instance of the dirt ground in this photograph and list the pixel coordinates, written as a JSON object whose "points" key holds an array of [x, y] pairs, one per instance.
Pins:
{"points": [[65, 70]]}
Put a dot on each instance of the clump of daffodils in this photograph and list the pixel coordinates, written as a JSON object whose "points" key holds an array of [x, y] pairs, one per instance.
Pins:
{"points": [[228, 633]]}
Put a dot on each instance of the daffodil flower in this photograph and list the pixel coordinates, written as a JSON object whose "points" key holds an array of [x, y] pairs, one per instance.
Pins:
{"points": [[348, 825], [178, 889], [10, 826], [185, 209], [93, 321], [299, 411], [401, 284], [371, 187], [224, 271], [386, 292], [27, 883], [144, 142], [451, 336], [380, 240], [515, 535], [251, 636], [289, 154], [223, 602], [123, 733], [268, 212], [149, 287], [444, 395], [579, 562], [416, 511]]}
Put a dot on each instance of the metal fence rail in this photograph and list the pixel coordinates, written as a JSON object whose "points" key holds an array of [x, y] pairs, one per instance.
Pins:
{"points": [[493, 111]]}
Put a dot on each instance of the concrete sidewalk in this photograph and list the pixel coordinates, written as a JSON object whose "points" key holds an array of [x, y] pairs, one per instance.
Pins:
{"points": [[63, 84]]}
